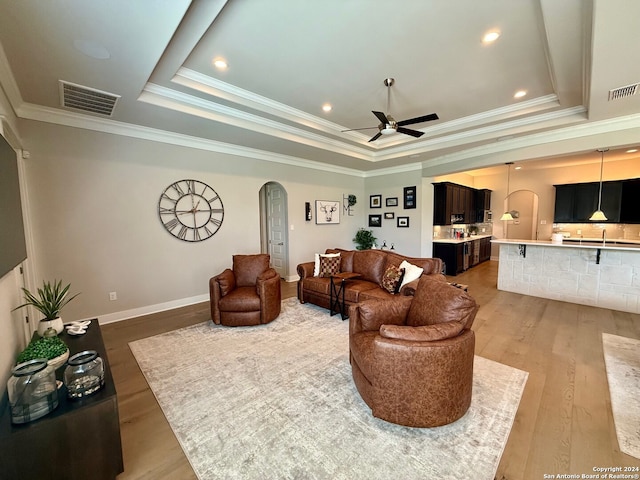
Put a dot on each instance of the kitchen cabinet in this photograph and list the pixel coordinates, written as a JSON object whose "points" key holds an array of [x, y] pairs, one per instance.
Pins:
{"points": [[452, 254], [575, 203], [630, 201], [460, 255], [483, 203], [453, 204]]}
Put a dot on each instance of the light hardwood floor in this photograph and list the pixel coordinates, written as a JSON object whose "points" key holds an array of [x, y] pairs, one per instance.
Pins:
{"points": [[564, 423]]}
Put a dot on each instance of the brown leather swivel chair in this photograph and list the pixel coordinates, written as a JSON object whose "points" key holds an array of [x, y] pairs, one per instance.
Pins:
{"points": [[412, 357], [248, 294]]}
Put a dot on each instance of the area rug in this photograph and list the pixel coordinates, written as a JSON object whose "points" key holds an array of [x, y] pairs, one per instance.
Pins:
{"points": [[278, 402], [622, 361]]}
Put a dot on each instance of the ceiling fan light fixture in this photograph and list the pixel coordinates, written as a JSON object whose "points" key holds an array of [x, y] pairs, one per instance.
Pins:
{"points": [[388, 130]]}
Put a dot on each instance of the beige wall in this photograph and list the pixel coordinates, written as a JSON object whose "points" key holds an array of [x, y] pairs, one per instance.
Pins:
{"points": [[94, 215]]}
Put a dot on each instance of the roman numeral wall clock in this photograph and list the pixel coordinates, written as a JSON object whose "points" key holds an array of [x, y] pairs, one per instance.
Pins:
{"points": [[190, 210]]}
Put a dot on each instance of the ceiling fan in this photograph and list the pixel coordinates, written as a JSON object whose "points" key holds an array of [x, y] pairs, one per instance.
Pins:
{"points": [[388, 124]]}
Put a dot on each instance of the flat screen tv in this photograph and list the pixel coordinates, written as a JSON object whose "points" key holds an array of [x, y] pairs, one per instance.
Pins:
{"points": [[13, 248]]}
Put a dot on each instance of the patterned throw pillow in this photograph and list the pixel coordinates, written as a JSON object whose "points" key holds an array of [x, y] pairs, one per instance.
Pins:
{"points": [[392, 279], [316, 266], [329, 266]]}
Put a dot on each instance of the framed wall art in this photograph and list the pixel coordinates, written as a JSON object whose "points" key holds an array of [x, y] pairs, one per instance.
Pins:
{"points": [[410, 197], [391, 201], [403, 222], [375, 201], [375, 220], [389, 215], [327, 212]]}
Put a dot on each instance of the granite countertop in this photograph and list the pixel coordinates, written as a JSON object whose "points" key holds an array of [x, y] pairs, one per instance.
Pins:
{"points": [[608, 245], [460, 240], [599, 240]]}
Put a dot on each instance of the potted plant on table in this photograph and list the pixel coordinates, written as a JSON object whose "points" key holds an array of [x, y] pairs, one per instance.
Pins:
{"points": [[49, 301]]}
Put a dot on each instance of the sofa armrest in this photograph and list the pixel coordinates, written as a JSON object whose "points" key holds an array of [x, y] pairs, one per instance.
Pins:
{"points": [[425, 333], [370, 315], [305, 269], [219, 286], [410, 288], [268, 289]]}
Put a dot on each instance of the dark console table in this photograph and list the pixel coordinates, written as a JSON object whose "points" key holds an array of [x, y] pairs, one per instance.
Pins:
{"points": [[80, 439]]}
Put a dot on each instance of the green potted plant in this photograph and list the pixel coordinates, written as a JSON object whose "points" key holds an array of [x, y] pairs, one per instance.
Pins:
{"points": [[49, 301], [364, 239]]}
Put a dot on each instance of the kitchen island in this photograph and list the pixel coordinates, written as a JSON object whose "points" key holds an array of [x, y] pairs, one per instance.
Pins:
{"points": [[601, 274]]}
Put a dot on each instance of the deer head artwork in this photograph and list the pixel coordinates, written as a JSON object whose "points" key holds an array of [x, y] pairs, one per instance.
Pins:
{"points": [[328, 209]]}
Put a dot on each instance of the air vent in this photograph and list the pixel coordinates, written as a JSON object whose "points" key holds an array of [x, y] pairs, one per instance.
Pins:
{"points": [[623, 91], [87, 99]]}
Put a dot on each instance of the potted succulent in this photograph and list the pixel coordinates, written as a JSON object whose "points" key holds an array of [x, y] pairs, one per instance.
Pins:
{"points": [[364, 239], [49, 301]]}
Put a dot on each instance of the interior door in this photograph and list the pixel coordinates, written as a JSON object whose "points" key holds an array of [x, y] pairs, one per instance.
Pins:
{"points": [[277, 228]]}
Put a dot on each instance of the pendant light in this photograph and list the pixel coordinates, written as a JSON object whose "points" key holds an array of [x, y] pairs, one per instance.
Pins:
{"points": [[598, 215], [507, 215]]}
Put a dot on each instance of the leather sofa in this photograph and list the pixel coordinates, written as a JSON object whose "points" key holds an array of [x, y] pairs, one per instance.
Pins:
{"points": [[248, 294], [412, 358], [371, 265]]}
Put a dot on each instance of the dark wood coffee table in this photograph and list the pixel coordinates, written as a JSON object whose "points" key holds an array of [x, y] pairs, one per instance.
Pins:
{"points": [[336, 290]]}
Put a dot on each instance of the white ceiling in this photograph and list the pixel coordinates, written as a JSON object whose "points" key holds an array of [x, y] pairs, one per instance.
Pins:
{"points": [[287, 58]]}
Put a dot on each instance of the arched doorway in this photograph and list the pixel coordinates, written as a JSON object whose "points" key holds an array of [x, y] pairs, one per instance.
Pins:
{"points": [[523, 205], [274, 238]]}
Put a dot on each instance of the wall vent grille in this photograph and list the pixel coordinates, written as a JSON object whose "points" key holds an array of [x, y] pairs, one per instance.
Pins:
{"points": [[87, 99], [622, 92]]}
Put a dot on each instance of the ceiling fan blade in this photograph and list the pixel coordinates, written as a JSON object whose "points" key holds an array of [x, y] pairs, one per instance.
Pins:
{"points": [[424, 118], [408, 131], [354, 129], [375, 137], [381, 116]]}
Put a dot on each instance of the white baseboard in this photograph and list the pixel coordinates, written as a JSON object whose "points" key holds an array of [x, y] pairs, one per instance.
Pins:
{"points": [[149, 309]]}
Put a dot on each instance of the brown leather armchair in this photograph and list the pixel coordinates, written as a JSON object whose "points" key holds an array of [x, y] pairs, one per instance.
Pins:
{"points": [[248, 294], [412, 358]]}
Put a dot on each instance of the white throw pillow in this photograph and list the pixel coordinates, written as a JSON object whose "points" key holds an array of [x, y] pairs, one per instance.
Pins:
{"points": [[411, 272], [316, 266]]}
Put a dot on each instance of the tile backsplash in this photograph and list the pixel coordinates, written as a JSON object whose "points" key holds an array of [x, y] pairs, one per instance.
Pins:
{"points": [[594, 230]]}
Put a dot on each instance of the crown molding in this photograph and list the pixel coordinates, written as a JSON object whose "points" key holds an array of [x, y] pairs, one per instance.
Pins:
{"points": [[196, 106], [573, 132], [77, 120]]}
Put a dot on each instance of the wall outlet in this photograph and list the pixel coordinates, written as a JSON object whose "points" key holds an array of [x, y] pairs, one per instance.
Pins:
{"points": [[543, 222], [579, 232], [484, 230], [113, 296]]}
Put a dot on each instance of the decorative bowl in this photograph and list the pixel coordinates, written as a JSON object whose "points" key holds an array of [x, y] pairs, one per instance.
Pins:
{"points": [[57, 362]]}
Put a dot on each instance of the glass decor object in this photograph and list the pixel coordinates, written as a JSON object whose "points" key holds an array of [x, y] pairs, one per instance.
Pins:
{"points": [[84, 374], [32, 390]]}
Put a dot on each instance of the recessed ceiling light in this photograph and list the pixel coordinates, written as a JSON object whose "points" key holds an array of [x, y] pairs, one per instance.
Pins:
{"points": [[520, 94], [220, 63], [490, 37], [326, 107], [632, 150]]}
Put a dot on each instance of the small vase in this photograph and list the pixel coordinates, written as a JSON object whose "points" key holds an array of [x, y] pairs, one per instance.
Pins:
{"points": [[56, 324]]}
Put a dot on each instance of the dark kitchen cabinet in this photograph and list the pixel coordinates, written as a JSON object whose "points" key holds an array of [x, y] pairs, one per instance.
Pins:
{"points": [[453, 203], [575, 203], [485, 249], [630, 201], [452, 254], [483, 204]]}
